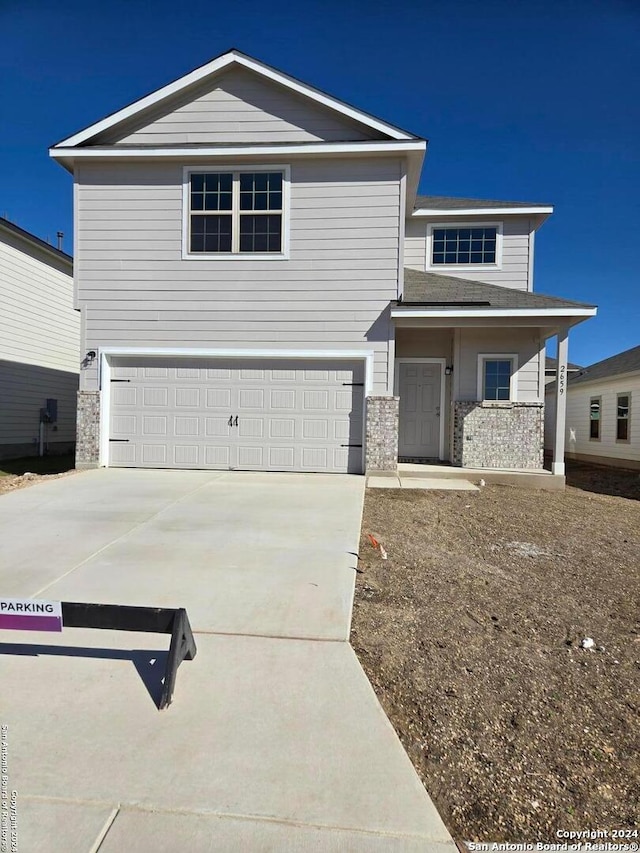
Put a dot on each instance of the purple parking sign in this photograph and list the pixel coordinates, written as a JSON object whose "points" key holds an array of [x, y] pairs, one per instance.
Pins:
{"points": [[29, 614]]}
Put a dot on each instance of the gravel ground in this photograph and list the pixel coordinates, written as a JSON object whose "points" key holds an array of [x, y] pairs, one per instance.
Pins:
{"points": [[28, 471], [471, 633]]}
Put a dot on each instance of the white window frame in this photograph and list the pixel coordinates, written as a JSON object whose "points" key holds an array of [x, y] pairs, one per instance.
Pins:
{"points": [[513, 383], [187, 171], [461, 268], [597, 397], [626, 440]]}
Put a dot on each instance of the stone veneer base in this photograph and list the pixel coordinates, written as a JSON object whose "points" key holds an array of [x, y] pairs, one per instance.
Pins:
{"points": [[382, 433], [88, 430], [498, 435]]}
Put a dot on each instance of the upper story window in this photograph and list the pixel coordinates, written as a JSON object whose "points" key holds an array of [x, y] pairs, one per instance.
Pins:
{"points": [[464, 245], [235, 212], [497, 377]]}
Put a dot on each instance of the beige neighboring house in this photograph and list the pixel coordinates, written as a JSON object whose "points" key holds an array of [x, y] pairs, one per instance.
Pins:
{"points": [[551, 366], [262, 288], [603, 412], [39, 346]]}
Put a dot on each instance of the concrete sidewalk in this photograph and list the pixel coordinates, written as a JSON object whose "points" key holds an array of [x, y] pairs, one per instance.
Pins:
{"points": [[270, 743]]}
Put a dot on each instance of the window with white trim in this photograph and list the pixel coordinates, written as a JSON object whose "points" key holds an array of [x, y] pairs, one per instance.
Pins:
{"points": [[235, 212], [595, 405], [470, 246], [623, 417], [496, 377]]}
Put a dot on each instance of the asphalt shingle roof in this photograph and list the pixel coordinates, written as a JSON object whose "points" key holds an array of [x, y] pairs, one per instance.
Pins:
{"points": [[444, 291], [31, 238], [442, 202], [615, 365]]}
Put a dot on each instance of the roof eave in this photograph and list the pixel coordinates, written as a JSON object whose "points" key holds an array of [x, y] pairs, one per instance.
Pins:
{"points": [[542, 213], [32, 240], [215, 66], [579, 381], [548, 317]]}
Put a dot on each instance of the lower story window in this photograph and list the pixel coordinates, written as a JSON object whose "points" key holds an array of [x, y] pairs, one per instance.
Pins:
{"points": [[622, 417], [497, 378], [594, 418]]}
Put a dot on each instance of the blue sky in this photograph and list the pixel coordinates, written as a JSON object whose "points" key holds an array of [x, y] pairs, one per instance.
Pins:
{"points": [[535, 101]]}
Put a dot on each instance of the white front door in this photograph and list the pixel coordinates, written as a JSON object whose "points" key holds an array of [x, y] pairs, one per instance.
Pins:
{"points": [[419, 390]]}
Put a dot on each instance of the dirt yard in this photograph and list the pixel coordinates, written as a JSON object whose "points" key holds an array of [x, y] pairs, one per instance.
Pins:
{"points": [[19, 473], [471, 633]]}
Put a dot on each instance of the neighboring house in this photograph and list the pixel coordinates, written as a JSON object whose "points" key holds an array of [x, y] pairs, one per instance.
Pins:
{"points": [[241, 245], [39, 346], [603, 412], [551, 367]]}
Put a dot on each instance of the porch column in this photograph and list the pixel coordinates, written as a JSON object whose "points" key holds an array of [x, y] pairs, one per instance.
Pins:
{"points": [[557, 465]]}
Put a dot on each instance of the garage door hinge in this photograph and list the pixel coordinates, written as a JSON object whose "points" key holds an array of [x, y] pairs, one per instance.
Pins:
{"points": [[350, 445], [355, 384], [121, 380], [119, 439]]}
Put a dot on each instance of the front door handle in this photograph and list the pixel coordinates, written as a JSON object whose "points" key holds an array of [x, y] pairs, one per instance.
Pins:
{"points": [[230, 422], [236, 421], [437, 411]]}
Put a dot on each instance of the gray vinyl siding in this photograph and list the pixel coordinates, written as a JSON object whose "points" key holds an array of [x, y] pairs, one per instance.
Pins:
{"points": [[239, 107], [577, 441], [37, 322], [39, 346], [515, 251], [333, 292], [525, 342], [24, 388]]}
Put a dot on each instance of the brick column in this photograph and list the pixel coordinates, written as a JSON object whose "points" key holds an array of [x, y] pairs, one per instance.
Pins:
{"points": [[88, 430], [382, 434]]}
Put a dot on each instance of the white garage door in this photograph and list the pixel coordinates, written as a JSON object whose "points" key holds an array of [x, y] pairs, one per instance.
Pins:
{"points": [[280, 415]]}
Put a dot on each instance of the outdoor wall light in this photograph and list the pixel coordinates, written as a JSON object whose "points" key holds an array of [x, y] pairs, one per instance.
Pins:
{"points": [[89, 358], [448, 370]]}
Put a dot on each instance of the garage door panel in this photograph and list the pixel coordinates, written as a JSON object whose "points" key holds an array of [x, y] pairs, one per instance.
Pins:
{"points": [[217, 457], [154, 454], [123, 425], [186, 455], [186, 426], [291, 415], [123, 454], [154, 396], [187, 398], [154, 425], [218, 427]]}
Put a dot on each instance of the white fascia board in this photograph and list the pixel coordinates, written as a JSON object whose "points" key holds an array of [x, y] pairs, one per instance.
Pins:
{"points": [[483, 211], [374, 147], [543, 313], [220, 64]]}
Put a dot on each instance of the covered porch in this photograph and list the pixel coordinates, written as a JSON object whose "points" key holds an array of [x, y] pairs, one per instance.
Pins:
{"points": [[468, 375]]}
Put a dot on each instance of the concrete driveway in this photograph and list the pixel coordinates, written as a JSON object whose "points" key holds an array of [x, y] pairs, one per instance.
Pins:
{"points": [[245, 553], [275, 740]]}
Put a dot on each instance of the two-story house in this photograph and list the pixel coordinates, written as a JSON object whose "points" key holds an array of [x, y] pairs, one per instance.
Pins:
{"points": [[261, 288], [39, 346]]}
